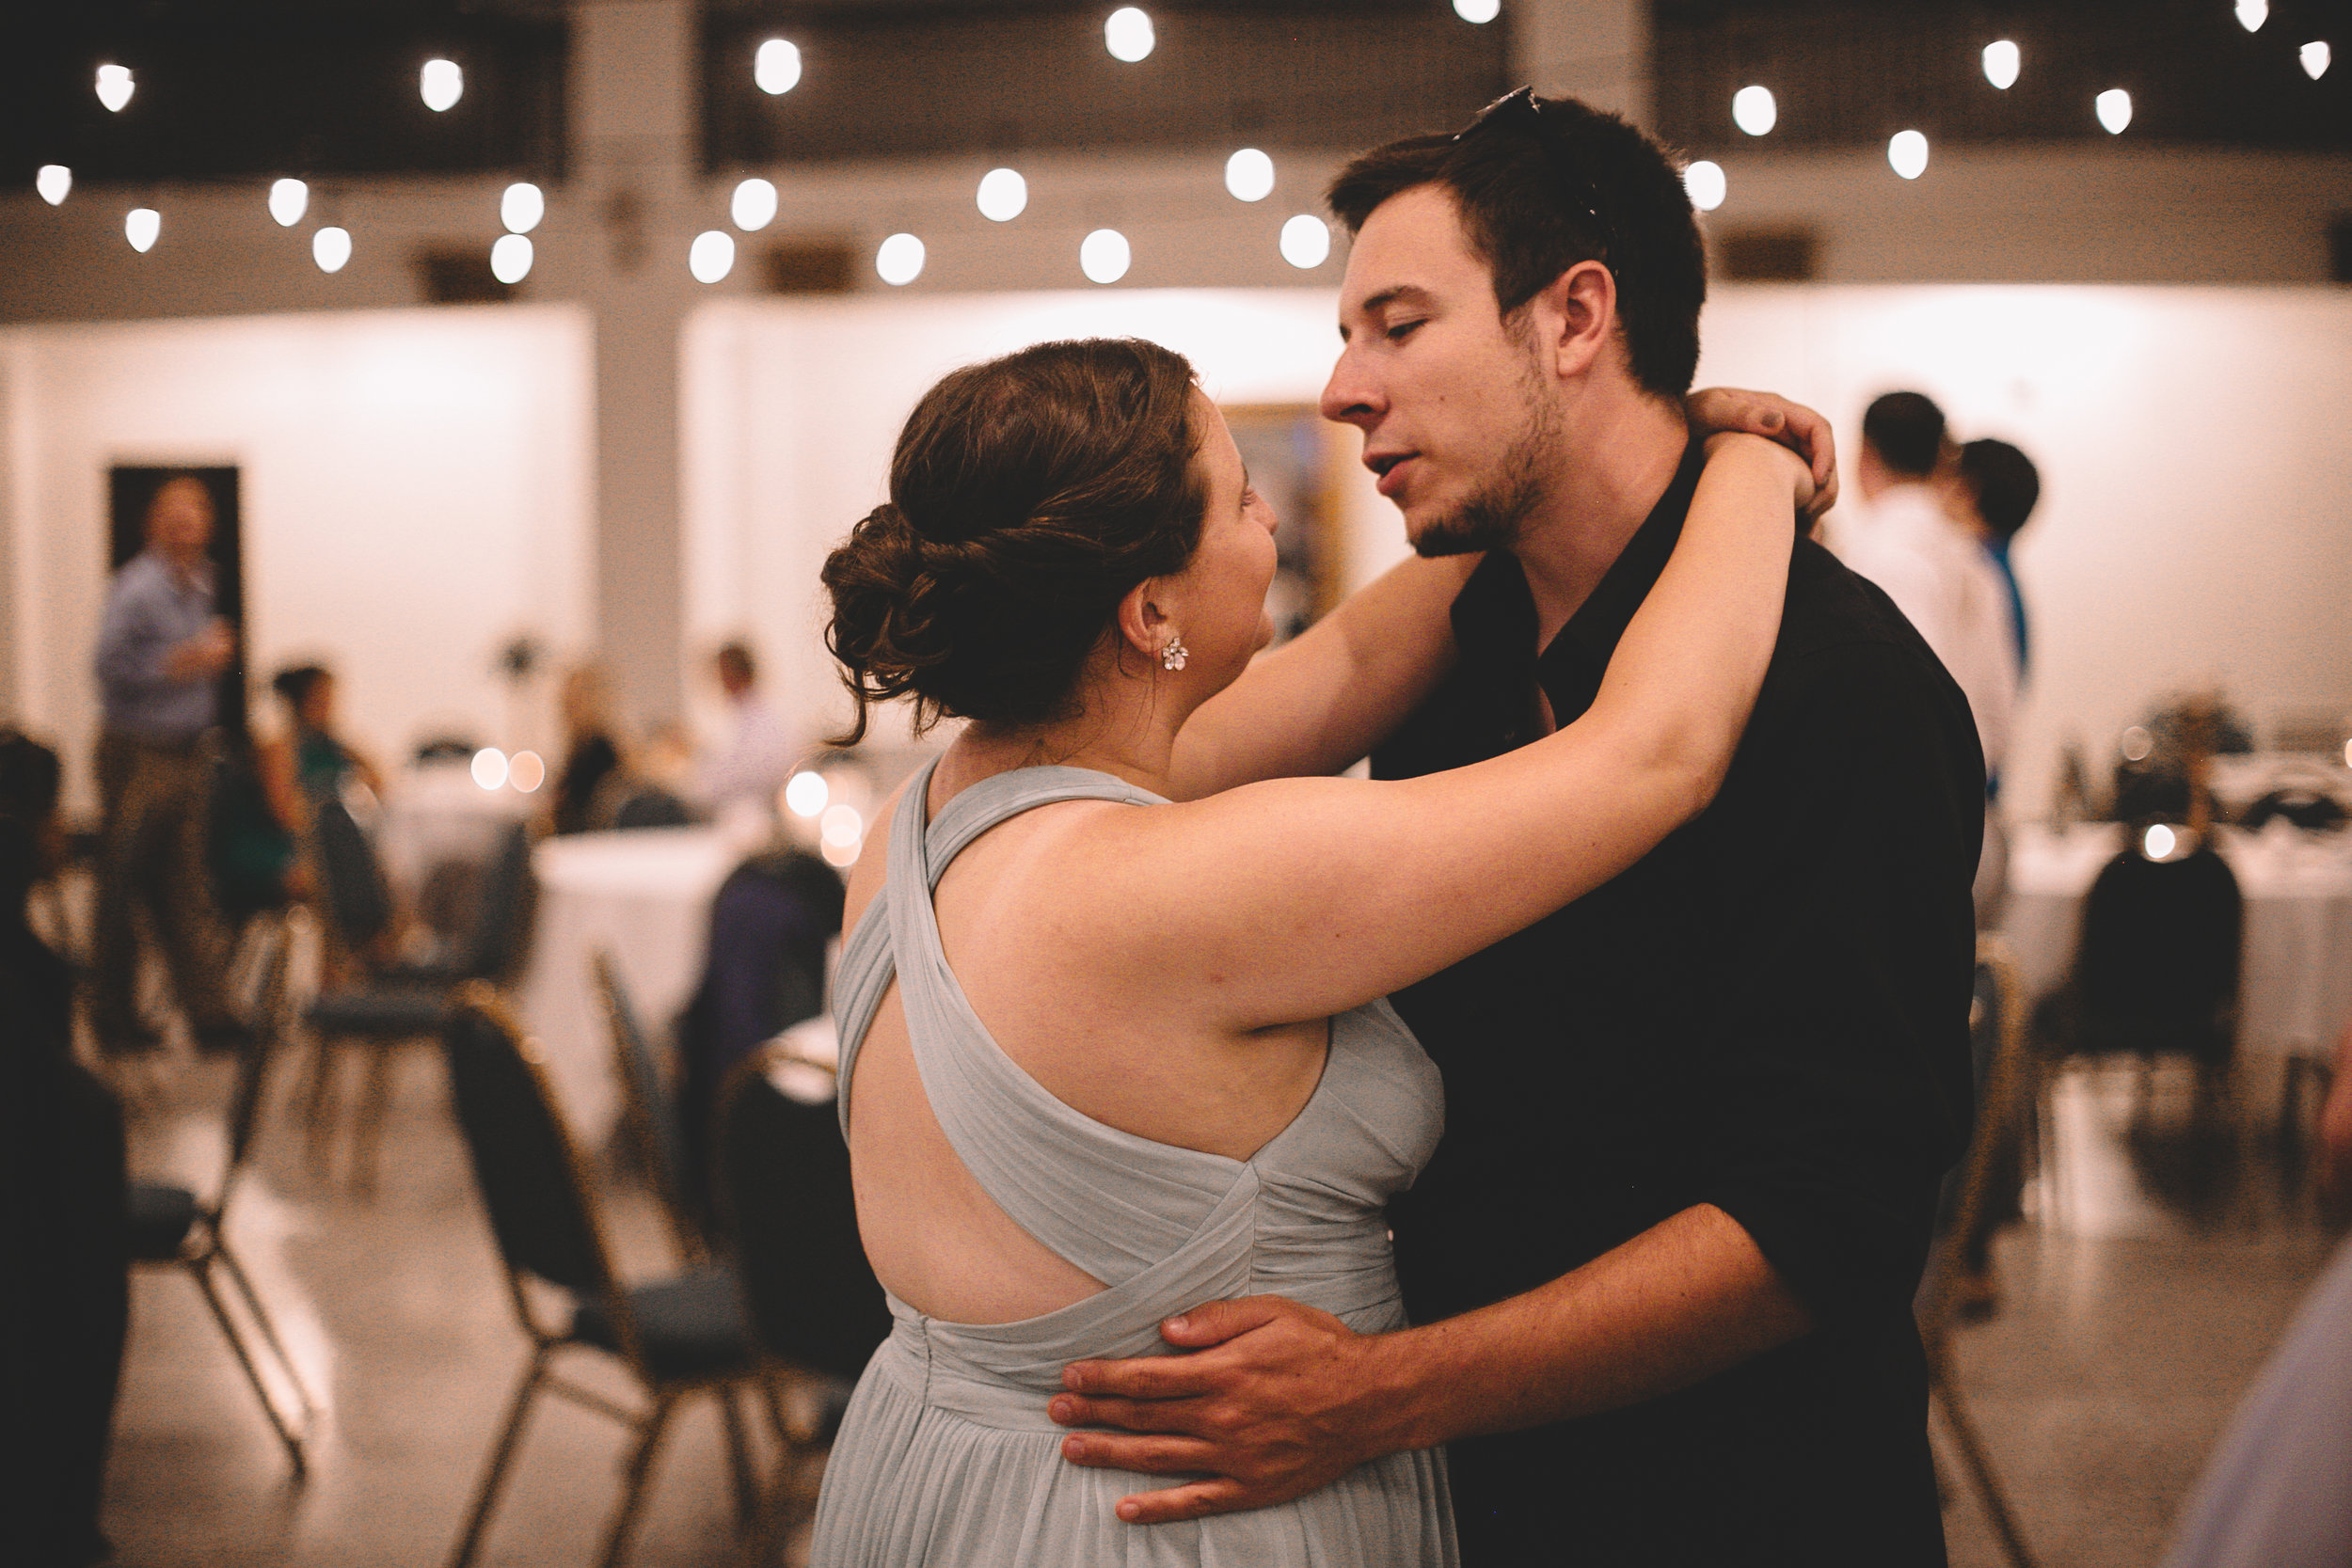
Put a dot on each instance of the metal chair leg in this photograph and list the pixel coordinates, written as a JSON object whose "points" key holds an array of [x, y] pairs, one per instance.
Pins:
{"points": [[740, 1472], [777, 1502], [1988, 1486], [367, 1132], [316, 1126], [267, 1329], [640, 1472], [202, 1274], [510, 1436]]}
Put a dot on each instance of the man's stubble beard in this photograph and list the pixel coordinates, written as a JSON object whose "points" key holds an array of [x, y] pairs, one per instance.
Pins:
{"points": [[1489, 517]]}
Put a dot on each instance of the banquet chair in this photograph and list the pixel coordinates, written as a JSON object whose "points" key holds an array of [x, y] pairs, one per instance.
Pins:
{"points": [[2156, 967], [675, 1336], [395, 1004], [648, 1110], [1997, 1026], [170, 1226], [817, 1311]]}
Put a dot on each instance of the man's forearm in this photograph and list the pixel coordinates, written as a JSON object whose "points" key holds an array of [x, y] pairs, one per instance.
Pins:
{"points": [[1684, 1300]]}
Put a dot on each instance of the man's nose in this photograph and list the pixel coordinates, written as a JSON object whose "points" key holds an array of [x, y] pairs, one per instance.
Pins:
{"points": [[1348, 397]]}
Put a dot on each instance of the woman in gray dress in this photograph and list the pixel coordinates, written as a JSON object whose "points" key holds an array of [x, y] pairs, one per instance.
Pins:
{"points": [[1099, 1062]]}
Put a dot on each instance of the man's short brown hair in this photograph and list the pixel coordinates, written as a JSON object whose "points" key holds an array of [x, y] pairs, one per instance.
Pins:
{"points": [[1528, 230]]}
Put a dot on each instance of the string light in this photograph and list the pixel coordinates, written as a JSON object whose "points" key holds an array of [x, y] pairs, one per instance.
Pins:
{"points": [[330, 247], [2161, 841], [1250, 175], [1478, 11], [526, 771], [1127, 33], [2000, 64], [440, 83], [1706, 184], [1004, 196], [753, 207], [521, 206], [510, 262], [2252, 14], [288, 200], [54, 181], [115, 87], [776, 69], [1104, 256], [140, 225], [2114, 107], [1907, 153], [2314, 55], [1754, 111], [489, 767], [711, 257], [1306, 241], [899, 261]]}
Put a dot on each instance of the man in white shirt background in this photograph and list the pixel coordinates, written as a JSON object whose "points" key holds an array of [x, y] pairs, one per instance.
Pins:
{"points": [[1940, 575], [753, 757]]}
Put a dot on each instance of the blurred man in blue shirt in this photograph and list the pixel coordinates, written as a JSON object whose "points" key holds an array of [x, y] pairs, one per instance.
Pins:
{"points": [[161, 652]]}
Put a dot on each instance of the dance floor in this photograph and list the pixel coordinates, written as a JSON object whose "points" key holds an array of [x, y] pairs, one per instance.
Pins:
{"points": [[2139, 1298]]}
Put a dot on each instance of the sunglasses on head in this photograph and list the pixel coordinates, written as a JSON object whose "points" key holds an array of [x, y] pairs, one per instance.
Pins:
{"points": [[1521, 110]]}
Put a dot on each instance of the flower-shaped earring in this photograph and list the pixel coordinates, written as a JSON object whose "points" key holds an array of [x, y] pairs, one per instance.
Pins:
{"points": [[1173, 656]]}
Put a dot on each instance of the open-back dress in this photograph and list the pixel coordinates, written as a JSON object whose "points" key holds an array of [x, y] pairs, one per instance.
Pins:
{"points": [[946, 1455]]}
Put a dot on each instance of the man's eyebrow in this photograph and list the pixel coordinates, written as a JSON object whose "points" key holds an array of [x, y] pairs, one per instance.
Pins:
{"points": [[1401, 294]]}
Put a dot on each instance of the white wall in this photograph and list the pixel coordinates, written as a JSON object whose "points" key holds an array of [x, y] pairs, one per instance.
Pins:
{"points": [[2197, 472], [415, 493]]}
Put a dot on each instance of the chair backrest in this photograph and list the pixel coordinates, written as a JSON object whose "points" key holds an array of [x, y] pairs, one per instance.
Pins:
{"points": [[1997, 1029], [359, 900], [812, 1297], [2161, 939], [646, 1106], [507, 894], [269, 1019], [532, 1180], [650, 807]]}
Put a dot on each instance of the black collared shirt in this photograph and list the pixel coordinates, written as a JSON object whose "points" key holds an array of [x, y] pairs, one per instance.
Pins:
{"points": [[1768, 1013]]}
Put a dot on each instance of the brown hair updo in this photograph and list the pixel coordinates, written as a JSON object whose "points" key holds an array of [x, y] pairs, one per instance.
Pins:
{"points": [[1028, 495]]}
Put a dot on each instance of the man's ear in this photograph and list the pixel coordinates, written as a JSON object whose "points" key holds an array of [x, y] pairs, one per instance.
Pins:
{"points": [[1142, 620], [1577, 315]]}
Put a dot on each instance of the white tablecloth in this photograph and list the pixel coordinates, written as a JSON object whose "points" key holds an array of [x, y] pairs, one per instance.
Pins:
{"points": [[643, 896], [2295, 993], [437, 813]]}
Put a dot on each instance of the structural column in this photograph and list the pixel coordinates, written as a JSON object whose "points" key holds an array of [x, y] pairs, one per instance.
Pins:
{"points": [[1595, 50]]}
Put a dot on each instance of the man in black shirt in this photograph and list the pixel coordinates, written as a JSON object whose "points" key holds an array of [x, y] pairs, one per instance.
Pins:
{"points": [[1664, 1257]]}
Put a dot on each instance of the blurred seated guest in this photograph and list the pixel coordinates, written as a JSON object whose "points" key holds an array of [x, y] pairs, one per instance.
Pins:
{"points": [[161, 652], [255, 818], [311, 753], [591, 754], [1936, 573], [1994, 488], [64, 1286], [2278, 1491], [750, 765]]}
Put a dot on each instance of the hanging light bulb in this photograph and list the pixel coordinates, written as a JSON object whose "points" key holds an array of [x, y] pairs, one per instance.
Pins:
{"points": [[440, 84], [2313, 54], [521, 206], [776, 69], [1706, 184], [2252, 14], [1907, 153], [2000, 64], [1250, 175], [899, 259], [1127, 33], [711, 257], [1478, 11], [288, 200], [753, 206], [115, 87], [2115, 110], [330, 247], [1754, 111], [1003, 194], [140, 225], [1104, 256], [54, 181], [510, 258], [1306, 241]]}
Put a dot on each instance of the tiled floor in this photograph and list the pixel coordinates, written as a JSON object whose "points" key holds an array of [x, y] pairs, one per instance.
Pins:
{"points": [[2130, 1325]]}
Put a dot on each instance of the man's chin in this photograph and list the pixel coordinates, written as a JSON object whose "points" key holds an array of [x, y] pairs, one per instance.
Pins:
{"points": [[1446, 536]]}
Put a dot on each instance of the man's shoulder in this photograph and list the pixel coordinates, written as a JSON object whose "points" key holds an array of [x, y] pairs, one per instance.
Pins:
{"points": [[1841, 631]]}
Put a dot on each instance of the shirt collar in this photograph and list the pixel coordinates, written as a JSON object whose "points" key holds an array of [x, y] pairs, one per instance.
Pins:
{"points": [[1600, 620]]}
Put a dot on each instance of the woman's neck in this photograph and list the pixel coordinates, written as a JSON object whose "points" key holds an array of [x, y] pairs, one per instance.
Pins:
{"points": [[1127, 730]]}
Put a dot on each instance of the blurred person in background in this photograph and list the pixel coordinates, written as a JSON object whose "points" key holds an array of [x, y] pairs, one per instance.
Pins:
{"points": [[64, 1286], [1993, 489], [161, 652], [746, 771], [310, 754], [591, 754]]}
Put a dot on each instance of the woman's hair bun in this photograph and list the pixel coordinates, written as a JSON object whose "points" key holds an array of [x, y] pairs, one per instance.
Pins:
{"points": [[1028, 495]]}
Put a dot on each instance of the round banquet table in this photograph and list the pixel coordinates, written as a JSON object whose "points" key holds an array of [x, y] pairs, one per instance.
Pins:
{"points": [[2296, 989], [437, 813], [643, 896]]}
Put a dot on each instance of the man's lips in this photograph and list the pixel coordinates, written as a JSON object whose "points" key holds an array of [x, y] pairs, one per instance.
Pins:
{"points": [[1391, 467]]}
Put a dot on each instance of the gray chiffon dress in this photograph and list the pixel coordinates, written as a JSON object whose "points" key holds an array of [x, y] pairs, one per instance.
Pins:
{"points": [[946, 1455]]}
